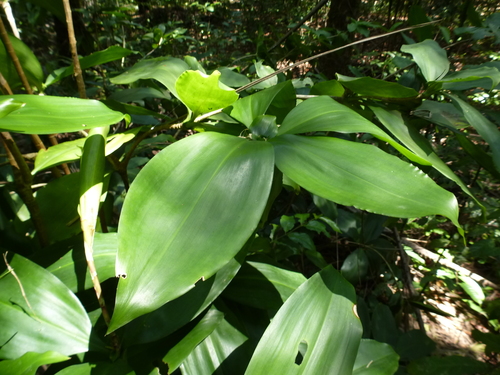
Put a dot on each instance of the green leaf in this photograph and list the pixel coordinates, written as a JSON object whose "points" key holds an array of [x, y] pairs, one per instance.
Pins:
{"points": [[53, 114], [54, 6], [175, 314], [29, 62], [97, 58], [202, 93], [430, 58], [264, 127], [164, 69], [325, 114], [360, 175], [375, 358], [47, 317], [371, 87], [71, 269], [28, 364], [277, 100], [190, 185], [137, 94], [484, 127], [444, 114], [472, 288], [214, 354], [204, 328], [287, 222], [263, 71], [413, 345], [485, 77], [299, 338], [263, 286], [451, 365], [491, 340], [384, 327], [355, 266], [331, 88], [9, 105], [72, 150], [231, 78], [417, 143]]}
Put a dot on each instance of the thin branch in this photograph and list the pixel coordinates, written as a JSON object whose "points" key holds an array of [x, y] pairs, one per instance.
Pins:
{"points": [[10, 17], [257, 81]]}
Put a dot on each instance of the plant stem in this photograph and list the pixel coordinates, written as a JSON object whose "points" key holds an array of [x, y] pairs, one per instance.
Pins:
{"points": [[74, 54]]}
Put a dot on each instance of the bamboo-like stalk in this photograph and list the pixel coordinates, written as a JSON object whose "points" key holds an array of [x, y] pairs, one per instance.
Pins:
{"points": [[74, 53]]}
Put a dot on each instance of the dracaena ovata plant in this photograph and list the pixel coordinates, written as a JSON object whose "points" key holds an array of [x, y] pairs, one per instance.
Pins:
{"points": [[192, 208]]}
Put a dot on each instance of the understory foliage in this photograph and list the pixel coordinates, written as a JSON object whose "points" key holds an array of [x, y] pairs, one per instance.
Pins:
{"points": [[236, 218]]}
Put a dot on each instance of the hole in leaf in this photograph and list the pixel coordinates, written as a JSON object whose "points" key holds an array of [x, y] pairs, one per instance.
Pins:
{"points": [[122, 276], [301, 353]]}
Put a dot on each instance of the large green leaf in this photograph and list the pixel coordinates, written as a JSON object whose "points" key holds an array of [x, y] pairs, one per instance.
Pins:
{"points": [[325, 114], [263, 286], [484, 127], [299, 340], [440, 113], [164, 69], [188, 212], [281, 97], [417, 143], [29, 363], [375, 358], [39, 313], [371, 87], [430, 58], [361, 175], [29, 62], [204, 328], [97, 58], [202, 93], [99, 368], [53, 114]]}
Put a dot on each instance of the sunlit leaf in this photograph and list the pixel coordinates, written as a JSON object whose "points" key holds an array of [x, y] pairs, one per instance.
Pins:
{"points": [[9, 105], [430, 58], [299, 338], [29, 363], [39, 313], [361, 175], [485, 77], [53, 114], [164, 69], [202, 93], [192, 199]]}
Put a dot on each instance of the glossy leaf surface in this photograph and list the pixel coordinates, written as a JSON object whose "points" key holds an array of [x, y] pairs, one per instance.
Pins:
{"points": [[430, 58], [191, 200], [485, 77], [320, 309], [98, 368], [375, 358], [417, 143], [202, 93], [53, 114], [360, 175], [204, 328], [325, 114], [9, 105], [54, 318], [28, 364], [164, 69]]}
